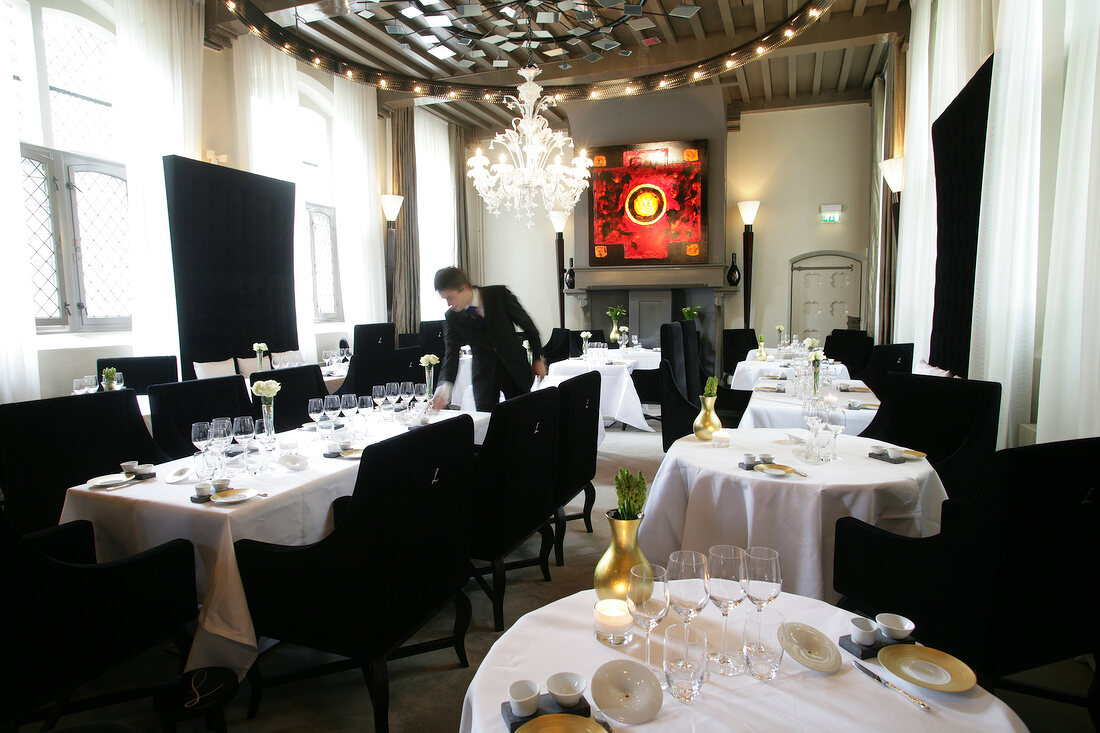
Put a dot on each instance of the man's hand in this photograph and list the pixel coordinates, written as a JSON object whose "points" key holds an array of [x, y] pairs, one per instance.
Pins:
{"points": [[539, 368]]}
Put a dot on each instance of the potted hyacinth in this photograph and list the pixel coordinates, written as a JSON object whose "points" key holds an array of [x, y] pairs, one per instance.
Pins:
{"points": [[613, 570], [110, 377], [691, 312], [428, 361], [266, 390], [259, 347], [707, 422]]}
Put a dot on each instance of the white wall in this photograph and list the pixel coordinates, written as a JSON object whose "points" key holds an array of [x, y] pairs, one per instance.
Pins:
{"points": [[793, 161]]}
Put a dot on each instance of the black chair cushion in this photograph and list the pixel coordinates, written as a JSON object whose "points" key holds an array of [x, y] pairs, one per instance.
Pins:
{"points": [[578, 434], [851, 348], [430, 338], [141, 371], [372, 338], [557, 348], [736, 342], [176, 406], [886, 358], [298, 386]]}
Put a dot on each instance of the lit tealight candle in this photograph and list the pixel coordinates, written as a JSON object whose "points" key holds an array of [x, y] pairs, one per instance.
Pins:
{"points": [[720, 438], [613, 622]]}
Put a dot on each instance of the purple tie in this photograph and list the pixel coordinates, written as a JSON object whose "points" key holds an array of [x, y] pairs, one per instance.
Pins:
{"points": [[475, 315]]}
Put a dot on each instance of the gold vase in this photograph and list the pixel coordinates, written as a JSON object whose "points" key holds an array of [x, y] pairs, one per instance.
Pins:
{"points": [[613, 570], [614, 335], [706, 422]]}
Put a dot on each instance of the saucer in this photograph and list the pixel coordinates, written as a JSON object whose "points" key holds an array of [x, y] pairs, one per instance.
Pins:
{"points": [[111, 479], [809, 647], [627, 691], [294, 462], [179, 475], [926, 667]]}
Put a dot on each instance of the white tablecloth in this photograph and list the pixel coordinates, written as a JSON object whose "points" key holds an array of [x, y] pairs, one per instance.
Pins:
{"points": [[780, 410], [559, 638], [618, 397], [748, 372], [642, 358], [295, 512], [700, 497]]}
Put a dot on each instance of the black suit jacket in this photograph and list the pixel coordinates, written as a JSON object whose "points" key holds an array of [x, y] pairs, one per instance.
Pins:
{"points": [[494, 344]]}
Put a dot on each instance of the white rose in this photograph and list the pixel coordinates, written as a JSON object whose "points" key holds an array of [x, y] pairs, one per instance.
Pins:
{"points": [[266, 388], [623, 329], [259, 346], [780, 328], [429, 360], [809, 343], [586, 334]]}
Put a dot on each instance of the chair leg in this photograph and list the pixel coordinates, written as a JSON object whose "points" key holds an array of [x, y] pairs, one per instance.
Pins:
{"points": [[215, 721], [59, 707], [589, 502], [499, 582], [544, 551], [256, 688], [559, 536], [378, 685], [182, 640], [463, 614]]}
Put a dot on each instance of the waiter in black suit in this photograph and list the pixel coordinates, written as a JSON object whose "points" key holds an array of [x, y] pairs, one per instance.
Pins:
{"points": [[485, 319]]}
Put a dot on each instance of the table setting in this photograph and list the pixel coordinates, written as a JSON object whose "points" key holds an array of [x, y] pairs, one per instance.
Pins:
{"points": [[775, 403]]}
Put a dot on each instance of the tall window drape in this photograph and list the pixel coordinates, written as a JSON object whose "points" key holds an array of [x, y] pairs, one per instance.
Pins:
{"points": [[359, 224], [406, 278], [463, 255], [879, 239], [159, 98], [435, 198]]}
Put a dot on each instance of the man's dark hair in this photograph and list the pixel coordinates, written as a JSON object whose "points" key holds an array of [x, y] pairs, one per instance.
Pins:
{"points": [[450, 278]]}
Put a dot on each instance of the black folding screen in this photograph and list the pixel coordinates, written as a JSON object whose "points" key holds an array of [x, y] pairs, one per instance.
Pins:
{"points": [[233, 257], [958, 143]]}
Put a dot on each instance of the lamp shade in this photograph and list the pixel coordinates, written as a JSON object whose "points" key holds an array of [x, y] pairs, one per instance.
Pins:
{"points": [[391, 206], [893, 170], [748, 211], [558, 219]]}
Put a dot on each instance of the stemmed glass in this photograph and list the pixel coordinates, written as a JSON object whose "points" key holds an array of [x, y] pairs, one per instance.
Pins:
{"points": [[221, 436], [332, 407], [90, 383], [349, 405], [244, 430], [393, 394], [688, 583], [267, 443], [763, 576], [727, 590], [420, 394], [647, 598], [200, 435], [835, 422], [813, 413], [407, 393], [78, 385], [378, 394], [315, 409]]}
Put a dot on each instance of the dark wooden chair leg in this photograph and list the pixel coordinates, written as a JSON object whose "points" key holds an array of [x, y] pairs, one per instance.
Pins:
{"points": [[559, 536], [256, 688], [589, 502], [378, 685], [544, 551], [215, 721], [499, 583], [463, 614]]}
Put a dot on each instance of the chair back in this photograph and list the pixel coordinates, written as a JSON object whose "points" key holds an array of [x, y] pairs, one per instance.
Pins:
{"points": [[736, 343], [692, 370], [407, 340], [886, 358], [678, 405], [430, 338], [557, 348], [512, 473], [298, 386], [50, 445], [372, 338], [350, 385], [141, 371], [578, 434], [954, 421], [177, 405], [398, 365], [852, 349]]}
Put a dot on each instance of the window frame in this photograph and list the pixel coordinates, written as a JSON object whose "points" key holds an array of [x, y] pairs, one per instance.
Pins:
{"points": [[337, 297]]}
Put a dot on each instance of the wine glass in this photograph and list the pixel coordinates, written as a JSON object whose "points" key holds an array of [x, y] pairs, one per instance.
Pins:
{"points": [[349, 405], [635, 341], [378, 394], [393, 393], [420, 393], [814, 416], [688, 583], [332, 407], [244, 430], [267, 445], [200, 435], [78, 385], [647, 598], [407, 393], [835, 422], [120, 381], [221, 436], [763, 577], [315, 409], [727, 590], [90, 383]]}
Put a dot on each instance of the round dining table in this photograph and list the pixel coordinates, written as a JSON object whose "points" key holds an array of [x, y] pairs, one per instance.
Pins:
{"points": [[558, 638], [771, 408], [701, 497]]}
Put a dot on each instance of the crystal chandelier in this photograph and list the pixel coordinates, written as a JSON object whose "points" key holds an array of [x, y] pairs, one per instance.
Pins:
{"points": [[530, 173]]}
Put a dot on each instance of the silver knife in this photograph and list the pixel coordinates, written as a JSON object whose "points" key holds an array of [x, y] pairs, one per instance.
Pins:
{"points": [[881, 681]]}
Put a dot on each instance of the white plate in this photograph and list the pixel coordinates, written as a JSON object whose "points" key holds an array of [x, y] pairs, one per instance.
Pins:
{"points": [[111, 479], [627, 691], [179, 475], [232, 496], [294, 462], [809, 647]]}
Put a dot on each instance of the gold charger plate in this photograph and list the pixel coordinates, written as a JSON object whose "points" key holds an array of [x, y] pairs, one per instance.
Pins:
{"points": [[352, 453], [232, 496], [915, 453], [927, 667], [767, 388], [859, 389], [561, 723], [869, 406], [771, 469]]}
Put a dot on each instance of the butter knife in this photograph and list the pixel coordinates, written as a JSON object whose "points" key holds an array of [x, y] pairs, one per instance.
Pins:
{"points": [[881, 681]]}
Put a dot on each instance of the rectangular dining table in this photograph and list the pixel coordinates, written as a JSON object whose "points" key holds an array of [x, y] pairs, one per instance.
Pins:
{"points": [[770, 408], [295, 511]]}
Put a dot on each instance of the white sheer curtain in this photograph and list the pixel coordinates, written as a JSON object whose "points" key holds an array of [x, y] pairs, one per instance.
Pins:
{"points": [[359, 224], [435, 196], [938, 66], [18, 351], [267, 106], [1069, 386], [160, 44], [1002, 342]]}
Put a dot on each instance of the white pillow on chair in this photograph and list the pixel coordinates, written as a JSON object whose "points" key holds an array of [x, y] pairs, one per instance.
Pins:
{"points": [[247, 364], [208, 369]]}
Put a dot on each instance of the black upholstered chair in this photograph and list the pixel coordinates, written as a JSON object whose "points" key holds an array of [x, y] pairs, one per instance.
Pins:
{"points": [[736, 342], [398, 554], [959, 448], [576, 347], [369, 339], [66, 620], [575, 458], [852, 349], [177, 405], [352, 379], [52, 444], [513, 489], [679, 405], [557, 348], [731, 403], [430, 338], [141, 371], [298, 386], [886, 358], [1032, 531], [406, 340], [398, 365]]}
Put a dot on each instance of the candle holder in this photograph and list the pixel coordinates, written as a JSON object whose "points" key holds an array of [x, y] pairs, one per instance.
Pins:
{"points": [[612, 622]]}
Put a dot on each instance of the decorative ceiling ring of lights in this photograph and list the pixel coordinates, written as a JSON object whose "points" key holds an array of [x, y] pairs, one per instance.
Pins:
{"points": [[683, 76]]}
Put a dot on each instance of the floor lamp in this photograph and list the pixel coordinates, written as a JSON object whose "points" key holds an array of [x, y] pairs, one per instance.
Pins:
{"points": [[748, 215], [558, 219], [391, 207]]}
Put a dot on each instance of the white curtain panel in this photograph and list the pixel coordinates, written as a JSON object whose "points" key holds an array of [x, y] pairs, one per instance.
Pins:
{"points": [[939, 65], [435, 196], [160, 46], [1002, 342], [1069, 385], [18, 350], [360, 229], [266, 88]]}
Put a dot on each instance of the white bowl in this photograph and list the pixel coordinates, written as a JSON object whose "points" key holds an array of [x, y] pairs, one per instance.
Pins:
{"points": [[144, 469], [220, 484], [862, 631], [895, 453], [128, 466], [627, 691], [523, 697], [878, 450], [895, 626], [566, 688], [294, 462]]}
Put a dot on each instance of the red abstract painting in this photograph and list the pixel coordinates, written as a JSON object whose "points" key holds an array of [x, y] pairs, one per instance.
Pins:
{"points": [[648, 204]]}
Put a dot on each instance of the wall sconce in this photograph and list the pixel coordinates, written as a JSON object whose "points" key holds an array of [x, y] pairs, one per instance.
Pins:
{"points": [[893, 170], [391, 207], [558, 219], [748, 211]]}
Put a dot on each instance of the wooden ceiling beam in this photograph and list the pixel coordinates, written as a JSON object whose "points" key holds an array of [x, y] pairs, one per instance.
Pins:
{"points": [[661, 19], [758, 14], [858, 7], [743, 84], [819, 62], [727, 18], [388, 58], [766, 73], [872, 65], [792, 77], [825, 99], [845, 69]]}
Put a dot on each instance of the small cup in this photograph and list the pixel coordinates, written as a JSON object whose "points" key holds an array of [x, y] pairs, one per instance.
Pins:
{"points": [[749, 459], [129, 466], [765, 458], [220, 484], [144, 469], [862, 630], [566, 688], [345, 444], [854, 405], [895, 453], [895, 626], [202, 489], [523, 697], [878, 450], [288, 445]]}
